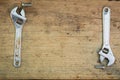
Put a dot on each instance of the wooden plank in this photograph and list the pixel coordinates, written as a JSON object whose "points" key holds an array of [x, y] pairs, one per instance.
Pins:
{"points": [[61, 39]]}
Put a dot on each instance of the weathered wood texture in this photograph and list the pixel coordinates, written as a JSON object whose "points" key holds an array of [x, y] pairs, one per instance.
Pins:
{"points": [[60, 39]]}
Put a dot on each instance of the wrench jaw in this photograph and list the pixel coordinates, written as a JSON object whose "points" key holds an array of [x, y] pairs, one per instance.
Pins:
{"points": [[111, 60], [19, 21], [106, 53], [101, 57], [109, 57]]}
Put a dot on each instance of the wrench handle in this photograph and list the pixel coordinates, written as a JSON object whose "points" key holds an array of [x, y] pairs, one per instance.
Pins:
{"points": [[17, 51], [106, 25]]}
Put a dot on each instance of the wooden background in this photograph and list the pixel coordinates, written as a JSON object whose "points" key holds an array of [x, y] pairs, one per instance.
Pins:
{"points": [[60, 39]]}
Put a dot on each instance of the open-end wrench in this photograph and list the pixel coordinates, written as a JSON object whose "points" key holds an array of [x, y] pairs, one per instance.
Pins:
{"points": [[18, 17], [106, 52]]}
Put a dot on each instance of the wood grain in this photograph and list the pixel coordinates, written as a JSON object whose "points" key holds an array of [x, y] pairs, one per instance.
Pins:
{"points": [[60, 40]]}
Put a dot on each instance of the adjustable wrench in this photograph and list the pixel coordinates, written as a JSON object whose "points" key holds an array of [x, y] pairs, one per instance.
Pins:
{"points": [[19, 21], [18, 17], [106, 52]]}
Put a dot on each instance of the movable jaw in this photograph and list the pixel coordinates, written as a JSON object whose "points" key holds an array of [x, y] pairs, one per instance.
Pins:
{"points": [[18, 20]]}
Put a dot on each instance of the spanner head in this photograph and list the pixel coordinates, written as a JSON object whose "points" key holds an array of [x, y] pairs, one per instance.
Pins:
{"points": [[17, 19], [109, 57]]}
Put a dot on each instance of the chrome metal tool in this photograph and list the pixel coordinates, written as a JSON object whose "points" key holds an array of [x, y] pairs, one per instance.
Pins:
{"points": [[18, 17], [106, 52]]}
